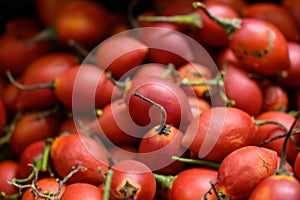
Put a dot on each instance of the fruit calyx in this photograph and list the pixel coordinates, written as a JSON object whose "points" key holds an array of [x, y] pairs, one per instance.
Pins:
{"points": [[127, 190]]}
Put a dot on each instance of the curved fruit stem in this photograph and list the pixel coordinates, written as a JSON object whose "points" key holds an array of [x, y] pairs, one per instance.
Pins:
{"points": [[264, 122], [165, 181], [294, 132], [229, 25], [79, 49], [9, 129], [171, 69], [10, 197], [130, 16], [207, 163], [50, 85], [46, 34], [162, 129], [192, 19], [217, 81], [282, 167]]}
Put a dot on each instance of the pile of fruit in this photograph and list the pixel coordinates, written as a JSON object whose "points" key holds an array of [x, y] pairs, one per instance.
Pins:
{"points": [[173, 100]]}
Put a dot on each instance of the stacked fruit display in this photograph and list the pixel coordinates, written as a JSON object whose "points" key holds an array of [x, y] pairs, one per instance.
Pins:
{"points": [[175, 100]]}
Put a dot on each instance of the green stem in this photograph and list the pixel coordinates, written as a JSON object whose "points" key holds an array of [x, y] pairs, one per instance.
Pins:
{"points": [[264, 122], [10, 197], [170, 70], [46, 154], [197, 161], [106, 193], [46, 34], [33, 173], [164, 181], [229, 25], [192, 19], [12, 80]]}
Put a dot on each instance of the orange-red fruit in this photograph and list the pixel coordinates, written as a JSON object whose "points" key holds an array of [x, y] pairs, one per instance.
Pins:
{"points": [[275, 14], [129, 54], [86, 22], [243, 169], [48, 184], [192, 184], [267, 54], [8, 171], [68, 151], [217, 132], [277, 187], [79, 191], [31, 127], [43, 70], [32, 154], [135, 175], [297, 167]]}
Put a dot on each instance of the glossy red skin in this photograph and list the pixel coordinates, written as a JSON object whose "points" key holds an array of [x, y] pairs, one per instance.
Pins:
{"points": [[275, 97], [14, 55], [238, 5], [229, 129], [192, 184], [8, 171], [198, 105], [254, 163], [45, 184], [269, 130], [153, 69], [87, 22], [79, 191], [32, 153], [156, 151], [69, 125], [175, 7], [277, 187], [116, 126], [255, 56], [293, 7], [297, 167], [30, 127], [47, 10], [137, 174], [69, 150], [237, 81], [292, 79], [194, 72], [9, 97], [225, 56], [211, 33], [166, 45], [73, 83], [165, 93], [43, 70], [124, 152], [130, 53], [275, 14]]}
